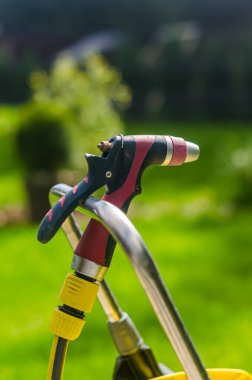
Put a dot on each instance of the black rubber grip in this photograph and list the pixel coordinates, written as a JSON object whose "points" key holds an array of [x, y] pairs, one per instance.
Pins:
{"points": [[53, 220]]}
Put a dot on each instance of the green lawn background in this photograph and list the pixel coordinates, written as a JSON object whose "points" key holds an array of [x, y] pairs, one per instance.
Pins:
{"points": [[202, 248]]}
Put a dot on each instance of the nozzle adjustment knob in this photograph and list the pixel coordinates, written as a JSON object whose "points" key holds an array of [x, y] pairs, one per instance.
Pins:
{"points": [[179, 151]]}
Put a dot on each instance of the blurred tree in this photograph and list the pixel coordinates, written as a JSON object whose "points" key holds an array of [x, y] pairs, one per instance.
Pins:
{"points": [[73, 107], [91, 94], [42, 147]]}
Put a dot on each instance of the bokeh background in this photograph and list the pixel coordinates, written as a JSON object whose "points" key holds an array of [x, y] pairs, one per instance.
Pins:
{"points": [[75, 72]]}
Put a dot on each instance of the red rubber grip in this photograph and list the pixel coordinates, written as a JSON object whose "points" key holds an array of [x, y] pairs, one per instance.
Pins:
{"points": [[179, 151]]}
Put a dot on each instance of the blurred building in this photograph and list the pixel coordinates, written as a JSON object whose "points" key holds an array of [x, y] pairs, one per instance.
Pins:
{"points": [[183, 59]]}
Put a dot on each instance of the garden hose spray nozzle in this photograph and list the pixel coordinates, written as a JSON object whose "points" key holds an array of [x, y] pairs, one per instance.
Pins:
{"points": [[120, 167]]}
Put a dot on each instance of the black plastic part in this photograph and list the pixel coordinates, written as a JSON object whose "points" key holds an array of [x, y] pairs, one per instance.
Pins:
{"points": [[87, 278], [141, 365], [72, 311]]}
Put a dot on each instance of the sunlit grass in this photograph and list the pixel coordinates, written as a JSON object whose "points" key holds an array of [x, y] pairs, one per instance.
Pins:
{"points": [[12, 189], [201, 246], [198, 266]]}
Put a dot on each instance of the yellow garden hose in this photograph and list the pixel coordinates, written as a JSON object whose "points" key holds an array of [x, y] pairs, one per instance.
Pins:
{"points": [[78, 296], [215, 374], [57, 358]]}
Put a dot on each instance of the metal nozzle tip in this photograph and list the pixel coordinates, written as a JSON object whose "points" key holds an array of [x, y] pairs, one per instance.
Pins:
{"points": [[193, 152]]}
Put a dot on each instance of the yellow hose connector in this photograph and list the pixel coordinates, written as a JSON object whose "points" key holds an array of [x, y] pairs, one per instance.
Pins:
{"points": [[66, 326], [79, 294]]}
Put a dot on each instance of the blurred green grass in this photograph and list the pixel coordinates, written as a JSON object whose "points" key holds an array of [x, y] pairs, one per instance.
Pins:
{"points": [[203, 253]]}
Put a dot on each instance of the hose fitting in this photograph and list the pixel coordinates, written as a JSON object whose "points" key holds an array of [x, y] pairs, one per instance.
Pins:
{"points": [[65, 325], [78, 296], [78, 293]]}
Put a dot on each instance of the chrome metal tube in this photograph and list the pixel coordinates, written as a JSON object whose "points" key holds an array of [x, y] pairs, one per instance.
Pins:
{"points": [[127, 236], [110, 306]]}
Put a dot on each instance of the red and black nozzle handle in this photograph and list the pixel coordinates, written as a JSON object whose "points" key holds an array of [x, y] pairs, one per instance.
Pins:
{"points": [[139, 152], [120, 168], [100, 171]]}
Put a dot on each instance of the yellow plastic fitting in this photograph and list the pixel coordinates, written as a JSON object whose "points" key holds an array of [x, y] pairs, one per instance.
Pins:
{"points": [[78, 293], [66, 326], [214, 374]]}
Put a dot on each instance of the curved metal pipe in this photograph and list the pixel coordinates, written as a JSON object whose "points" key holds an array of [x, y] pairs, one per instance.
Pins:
{"points": [[127, 236]]}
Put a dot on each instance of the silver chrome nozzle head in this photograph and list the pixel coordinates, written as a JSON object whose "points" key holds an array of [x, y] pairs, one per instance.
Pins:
{"points": [[193, 152]]}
